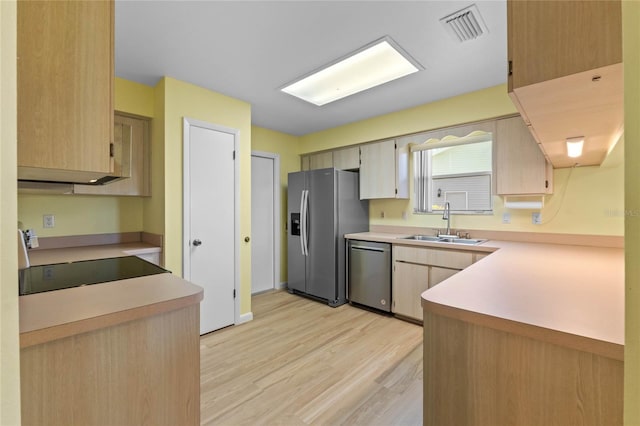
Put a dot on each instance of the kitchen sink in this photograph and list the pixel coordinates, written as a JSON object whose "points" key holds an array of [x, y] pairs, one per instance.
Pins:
{"points": [[423, 238], [434, 239]]}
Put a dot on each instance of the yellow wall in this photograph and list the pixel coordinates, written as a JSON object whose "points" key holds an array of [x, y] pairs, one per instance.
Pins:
{"points": [[593, 202], [153, 207], [187, 100], [134, 98], [631, 57], [286, 146], [9, 345], [474, 106], [80, 214], [106, 214]]}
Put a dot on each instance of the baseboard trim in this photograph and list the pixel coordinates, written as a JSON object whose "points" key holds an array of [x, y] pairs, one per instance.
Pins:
{"points": [[245, 318], [281, 286]]}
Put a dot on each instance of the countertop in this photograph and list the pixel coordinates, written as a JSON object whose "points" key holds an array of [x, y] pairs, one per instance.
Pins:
{"points": [[71, 254], [56, 314], [565, 294], [62, 313]]}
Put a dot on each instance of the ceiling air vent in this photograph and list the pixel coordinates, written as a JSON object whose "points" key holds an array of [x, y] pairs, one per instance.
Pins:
{"points": [[465, 24]]}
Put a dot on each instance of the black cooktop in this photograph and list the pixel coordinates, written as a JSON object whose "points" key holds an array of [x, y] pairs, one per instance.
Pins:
{"points": [[38, 279]]}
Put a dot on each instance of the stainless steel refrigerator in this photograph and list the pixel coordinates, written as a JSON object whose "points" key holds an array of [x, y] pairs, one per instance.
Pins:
{"points": [[323, 205]]}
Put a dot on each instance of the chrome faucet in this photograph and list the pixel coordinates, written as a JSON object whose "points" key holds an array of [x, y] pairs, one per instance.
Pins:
{"points": [[446, 215]]}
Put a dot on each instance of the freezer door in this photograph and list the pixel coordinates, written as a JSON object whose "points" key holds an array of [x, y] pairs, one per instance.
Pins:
{"points": [[321, 236], [295, 257]]}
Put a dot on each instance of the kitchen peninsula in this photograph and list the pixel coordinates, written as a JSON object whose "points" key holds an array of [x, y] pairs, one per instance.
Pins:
{"points": [[532, 333], [123, 352]]}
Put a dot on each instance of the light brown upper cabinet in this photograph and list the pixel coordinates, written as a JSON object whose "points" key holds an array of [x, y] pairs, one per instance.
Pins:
{"points": [[65, 89], [136, 130], [565, 74], [347, 159], [384, 170], [321, 160], [304, 163], [521, 168]]}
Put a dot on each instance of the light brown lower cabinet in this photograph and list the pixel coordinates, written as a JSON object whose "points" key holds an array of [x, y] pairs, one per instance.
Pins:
{"points": [[409, 281], [477, 375], [416, 269], [437, 275], [144, 371]]}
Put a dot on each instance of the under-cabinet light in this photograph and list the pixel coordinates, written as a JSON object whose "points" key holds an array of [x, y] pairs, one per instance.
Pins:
{"points": [[375, 64], [574, 146]]}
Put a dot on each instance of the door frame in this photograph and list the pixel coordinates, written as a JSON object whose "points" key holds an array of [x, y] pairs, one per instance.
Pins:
{"points": [[276, 215], [186, 197]]}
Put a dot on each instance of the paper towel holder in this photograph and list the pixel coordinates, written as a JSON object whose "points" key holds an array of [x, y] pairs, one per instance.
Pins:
{"points": [[524, 203]]}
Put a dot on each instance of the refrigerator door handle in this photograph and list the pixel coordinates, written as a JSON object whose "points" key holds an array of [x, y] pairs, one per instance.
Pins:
{"points": [[302, 220], [305, 224]]}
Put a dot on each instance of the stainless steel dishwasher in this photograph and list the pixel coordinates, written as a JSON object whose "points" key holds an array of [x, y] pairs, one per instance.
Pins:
{"points": [[369, 274]]}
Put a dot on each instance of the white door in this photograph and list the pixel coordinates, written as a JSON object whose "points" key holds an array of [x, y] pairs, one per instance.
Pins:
{"points": [[265, 247], [211, 220]]}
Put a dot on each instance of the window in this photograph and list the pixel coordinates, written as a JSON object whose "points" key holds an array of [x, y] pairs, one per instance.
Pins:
{"points": [[454, 170]]}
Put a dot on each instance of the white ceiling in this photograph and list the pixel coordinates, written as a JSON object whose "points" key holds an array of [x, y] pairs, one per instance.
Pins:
{"points": [[249, 49]]}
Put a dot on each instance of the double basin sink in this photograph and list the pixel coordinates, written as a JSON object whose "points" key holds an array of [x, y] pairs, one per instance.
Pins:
{"points": [[451, 239]]}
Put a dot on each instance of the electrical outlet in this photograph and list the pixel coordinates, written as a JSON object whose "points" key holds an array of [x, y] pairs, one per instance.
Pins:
{"points": [[536, 218], [48, 221], [404, 215], [506, 217], [382, 214]]}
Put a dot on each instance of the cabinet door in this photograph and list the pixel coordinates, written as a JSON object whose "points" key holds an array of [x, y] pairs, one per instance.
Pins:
{"points": [[437, 275], [551, 39], [521, 167], [150, 257], [378, 170], [478, 256], [139, 184], [347, 159], [454, 259], [322, 160], [65, 86], [409, 281], [304, 163]]}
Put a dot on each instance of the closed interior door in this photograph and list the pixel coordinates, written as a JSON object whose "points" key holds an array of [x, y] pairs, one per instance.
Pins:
{"points": [[262, 224], [210, 222]]}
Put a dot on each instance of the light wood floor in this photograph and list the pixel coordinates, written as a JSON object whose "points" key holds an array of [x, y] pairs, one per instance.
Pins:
{"points": [[301, 362]]}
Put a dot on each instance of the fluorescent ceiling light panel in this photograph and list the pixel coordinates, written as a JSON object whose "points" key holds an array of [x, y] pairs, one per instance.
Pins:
{"points": [[375, 64], [574, 147]]}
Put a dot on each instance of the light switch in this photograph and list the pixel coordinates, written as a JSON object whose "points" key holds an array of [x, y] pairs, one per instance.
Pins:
{"points": [[506, 217]]}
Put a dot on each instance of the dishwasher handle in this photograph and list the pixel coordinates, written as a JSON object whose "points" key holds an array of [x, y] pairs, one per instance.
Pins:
{"points": [[367, 248]]}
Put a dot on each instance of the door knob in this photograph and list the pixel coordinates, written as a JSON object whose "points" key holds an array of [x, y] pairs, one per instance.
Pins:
{"points": [[197, 243]]}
